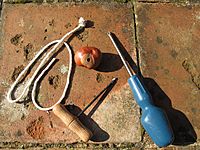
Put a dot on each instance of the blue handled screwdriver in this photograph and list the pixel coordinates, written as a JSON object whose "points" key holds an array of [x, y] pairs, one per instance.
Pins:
{"points": [[153, 119]]}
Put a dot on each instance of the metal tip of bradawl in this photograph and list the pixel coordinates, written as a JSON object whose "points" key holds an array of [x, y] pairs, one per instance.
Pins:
{"points": [[114, 79]]}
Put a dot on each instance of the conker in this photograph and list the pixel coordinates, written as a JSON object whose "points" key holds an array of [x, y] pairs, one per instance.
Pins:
{"points": [[88, 57]]}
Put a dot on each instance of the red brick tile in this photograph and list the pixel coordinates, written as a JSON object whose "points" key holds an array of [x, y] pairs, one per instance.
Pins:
{"points": [[169, 48], [34, 26]]}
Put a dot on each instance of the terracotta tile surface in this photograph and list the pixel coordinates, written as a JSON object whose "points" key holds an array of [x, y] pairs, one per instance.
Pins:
{"points": [[28, 27], [170, 59]]}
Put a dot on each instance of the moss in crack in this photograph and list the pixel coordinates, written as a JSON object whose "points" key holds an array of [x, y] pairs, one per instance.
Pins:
{"points": [[18, 145], [37, 1], [52, 1], [179, 1], [18, 1], [122, 1]]}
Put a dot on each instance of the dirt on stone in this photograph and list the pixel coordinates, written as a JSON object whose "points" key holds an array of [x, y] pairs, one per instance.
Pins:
{"points": [[99, 77], [54, 81], [68, 25], [52, 22], [16, 39], [16, 72], [36, 129], [18, 133]]}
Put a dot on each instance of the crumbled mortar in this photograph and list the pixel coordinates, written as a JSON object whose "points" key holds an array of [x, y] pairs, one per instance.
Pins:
{"points": [[16, 40]]}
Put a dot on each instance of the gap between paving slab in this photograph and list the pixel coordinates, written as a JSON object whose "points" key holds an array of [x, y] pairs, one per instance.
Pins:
{"points": [[183, 2], [118, 115]]}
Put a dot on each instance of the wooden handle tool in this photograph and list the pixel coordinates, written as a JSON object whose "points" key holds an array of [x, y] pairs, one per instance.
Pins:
{"points": [[72, 122]]}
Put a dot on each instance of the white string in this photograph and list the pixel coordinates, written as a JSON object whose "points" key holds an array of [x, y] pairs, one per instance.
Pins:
{"points": [[82, 24]]}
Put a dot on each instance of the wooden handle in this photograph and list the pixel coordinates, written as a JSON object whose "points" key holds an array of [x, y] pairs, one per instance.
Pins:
{"points": [[72, 122]]}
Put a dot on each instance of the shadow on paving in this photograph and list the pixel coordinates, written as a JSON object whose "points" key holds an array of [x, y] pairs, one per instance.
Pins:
{"points": [[183, 130]]}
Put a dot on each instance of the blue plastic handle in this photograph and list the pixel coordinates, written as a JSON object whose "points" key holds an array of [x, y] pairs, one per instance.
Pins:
{"points": [[154, 119]]}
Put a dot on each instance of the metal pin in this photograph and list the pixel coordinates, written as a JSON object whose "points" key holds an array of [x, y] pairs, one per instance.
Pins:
{"points": [[120, 54]]}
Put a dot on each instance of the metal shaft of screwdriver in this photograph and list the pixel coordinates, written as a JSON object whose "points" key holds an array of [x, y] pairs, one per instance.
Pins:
{"points": [[113, 81], [120, 54]]}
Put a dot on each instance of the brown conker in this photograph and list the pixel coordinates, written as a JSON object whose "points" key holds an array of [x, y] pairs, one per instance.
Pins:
{"points": [[88, 57]]}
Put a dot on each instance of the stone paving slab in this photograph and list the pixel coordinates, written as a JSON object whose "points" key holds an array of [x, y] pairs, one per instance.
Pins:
{"points": [[28, 27], [170, 58]]}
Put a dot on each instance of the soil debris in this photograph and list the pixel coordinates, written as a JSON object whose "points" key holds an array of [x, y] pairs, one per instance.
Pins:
{"points": [[155, 55], [16, 40], [159, 39], [16, 72], [52, 22], [54, 81], [68, 25], [174, 54], [99, 78], [28, 50], [45, 38], [36, 129]]}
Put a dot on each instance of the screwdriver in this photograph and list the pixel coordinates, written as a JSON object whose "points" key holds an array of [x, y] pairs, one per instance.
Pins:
{"points": [[73, 122], [153, 119]]}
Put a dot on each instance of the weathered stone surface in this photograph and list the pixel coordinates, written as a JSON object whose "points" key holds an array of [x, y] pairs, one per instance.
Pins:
{"points": [[28, 27], [170, 59]]}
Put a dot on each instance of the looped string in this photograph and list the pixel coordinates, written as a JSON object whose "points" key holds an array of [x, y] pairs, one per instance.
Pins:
{"points": [[56, 43]]}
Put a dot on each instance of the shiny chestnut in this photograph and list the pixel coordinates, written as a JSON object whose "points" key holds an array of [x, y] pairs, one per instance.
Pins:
{"points": [[89, 57]]}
